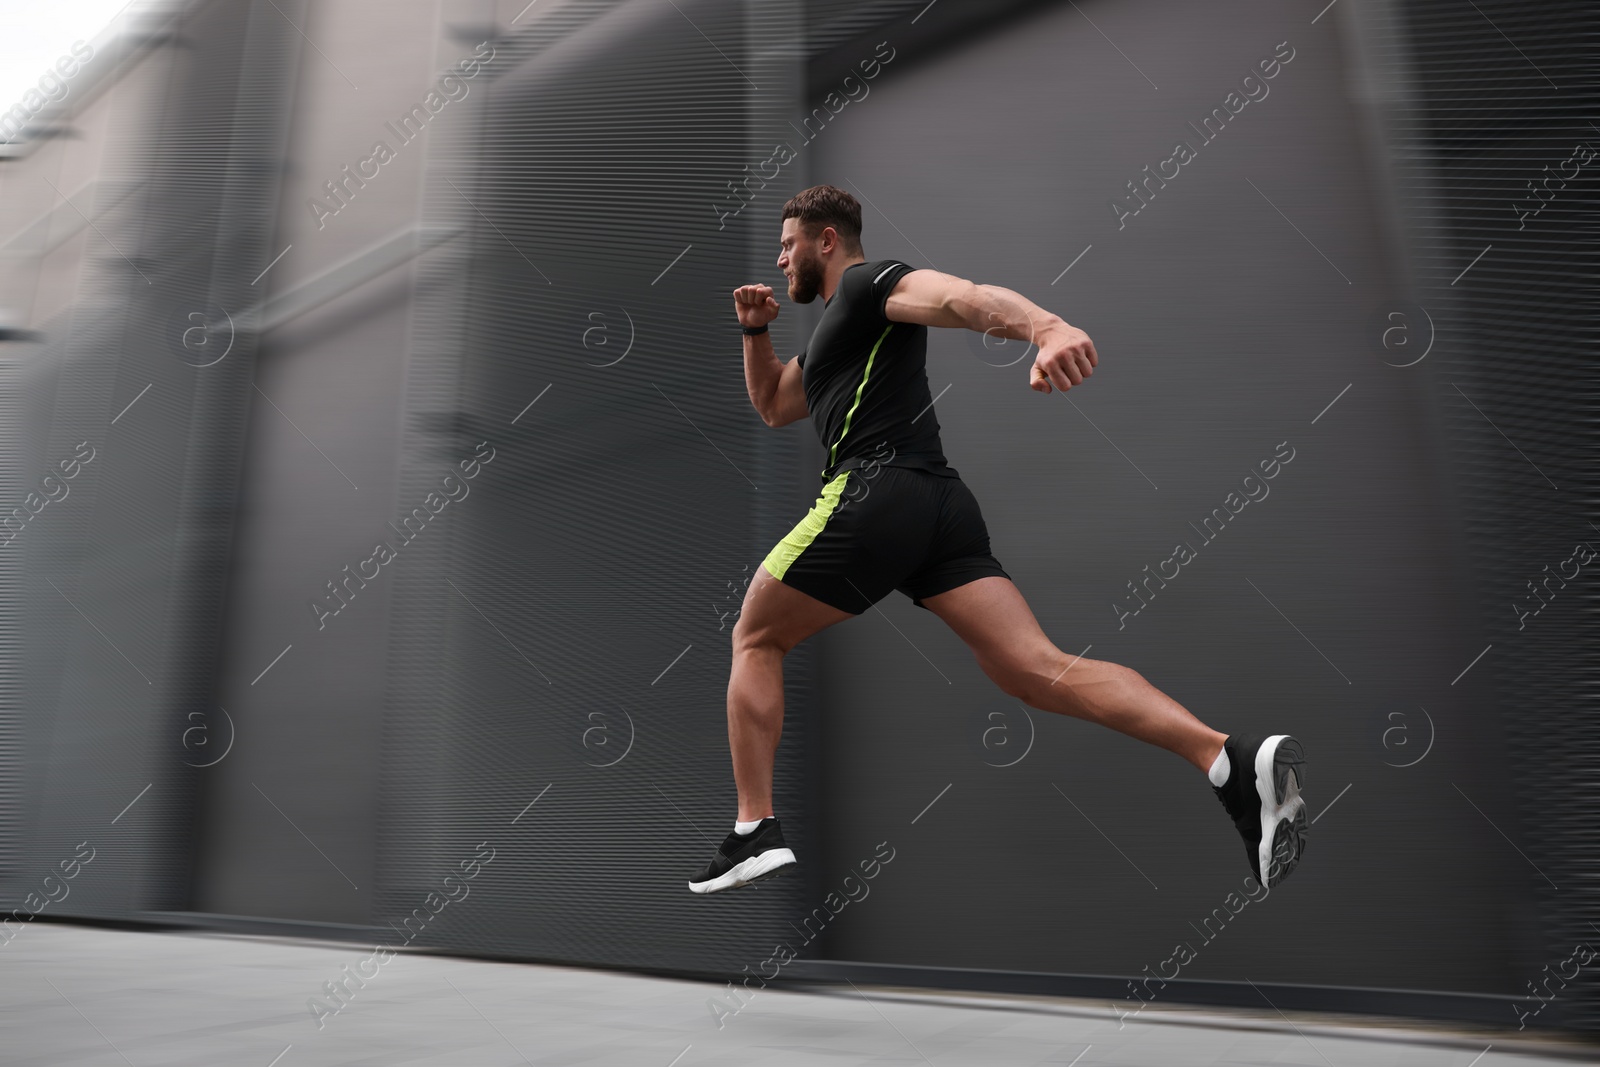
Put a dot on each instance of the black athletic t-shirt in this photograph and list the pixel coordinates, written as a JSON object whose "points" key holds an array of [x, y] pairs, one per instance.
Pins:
{"points": [[866, 379]]}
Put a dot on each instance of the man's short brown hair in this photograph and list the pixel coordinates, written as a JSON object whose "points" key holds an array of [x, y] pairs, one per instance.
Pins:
{"points": [[827, 205]]}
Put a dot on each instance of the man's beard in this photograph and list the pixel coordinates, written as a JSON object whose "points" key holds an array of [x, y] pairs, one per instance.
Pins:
{"points": [[806, 283]]}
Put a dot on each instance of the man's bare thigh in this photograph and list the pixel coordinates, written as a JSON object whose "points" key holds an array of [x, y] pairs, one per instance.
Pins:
{"points": [[986, 613], [778, 614]]}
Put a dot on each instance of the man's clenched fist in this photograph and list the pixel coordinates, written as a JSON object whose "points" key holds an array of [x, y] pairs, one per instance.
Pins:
{"points": [[755, 305], [1066, 357]]}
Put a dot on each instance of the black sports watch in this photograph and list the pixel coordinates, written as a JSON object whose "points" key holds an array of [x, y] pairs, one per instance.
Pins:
{"points": [[753, 331]]}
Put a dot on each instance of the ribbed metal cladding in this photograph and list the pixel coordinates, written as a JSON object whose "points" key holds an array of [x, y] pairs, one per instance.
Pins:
{"points": [[24, 398], [1501, 93], [123, 583], [13, 409], [568, 647]]}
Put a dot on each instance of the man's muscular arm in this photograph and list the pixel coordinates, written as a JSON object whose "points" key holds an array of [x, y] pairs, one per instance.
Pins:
{"points": [[929, 297], [775, 388]]}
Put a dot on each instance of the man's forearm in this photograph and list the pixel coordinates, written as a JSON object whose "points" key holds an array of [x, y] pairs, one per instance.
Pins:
{"points": [[762, 369], [1001, 312]]}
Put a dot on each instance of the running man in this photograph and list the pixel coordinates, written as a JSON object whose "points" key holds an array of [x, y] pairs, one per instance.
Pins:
{"points": [[893, 515]]}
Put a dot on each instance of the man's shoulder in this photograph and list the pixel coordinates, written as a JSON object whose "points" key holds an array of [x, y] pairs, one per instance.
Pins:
{"points": [[879, 270], [869, 282]]}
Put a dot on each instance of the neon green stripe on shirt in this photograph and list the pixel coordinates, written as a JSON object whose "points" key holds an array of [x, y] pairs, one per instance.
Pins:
{"points": [[834, 451]]}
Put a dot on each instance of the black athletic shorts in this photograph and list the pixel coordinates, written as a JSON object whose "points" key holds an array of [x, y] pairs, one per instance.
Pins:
{"points": [[888, 528]]}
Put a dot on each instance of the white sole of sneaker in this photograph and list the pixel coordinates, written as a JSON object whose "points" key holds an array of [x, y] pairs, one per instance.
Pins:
{"points": [[753, 869], [1272, 778]]}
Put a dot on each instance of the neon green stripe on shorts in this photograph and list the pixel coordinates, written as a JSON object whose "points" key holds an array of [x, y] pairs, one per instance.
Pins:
{"points": [[806, 530]]}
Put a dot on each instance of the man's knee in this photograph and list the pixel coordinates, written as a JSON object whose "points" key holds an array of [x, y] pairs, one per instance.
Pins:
{"points": [[1060, 673], [750, 635], [1020, 676]]}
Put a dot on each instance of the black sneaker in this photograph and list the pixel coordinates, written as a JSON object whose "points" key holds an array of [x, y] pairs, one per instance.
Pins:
{"points": [[742, 860], [1262, 795]]}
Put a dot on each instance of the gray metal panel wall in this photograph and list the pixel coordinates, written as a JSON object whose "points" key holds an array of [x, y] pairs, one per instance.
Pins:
{"points": [[560, 662], [30, 381], [14, 460], [124, 583], [287, 821], [1506, 264], [1224, 329]]}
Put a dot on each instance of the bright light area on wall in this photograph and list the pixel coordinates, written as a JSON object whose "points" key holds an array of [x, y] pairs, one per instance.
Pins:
{"points": [[40, 32]]}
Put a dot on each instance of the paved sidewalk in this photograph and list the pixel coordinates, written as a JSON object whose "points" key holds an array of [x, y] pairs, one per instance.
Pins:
{"points": [[92, 996]]}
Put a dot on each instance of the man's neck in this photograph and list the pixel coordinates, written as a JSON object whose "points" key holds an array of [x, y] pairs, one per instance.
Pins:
{"points": [[831, 278]]}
